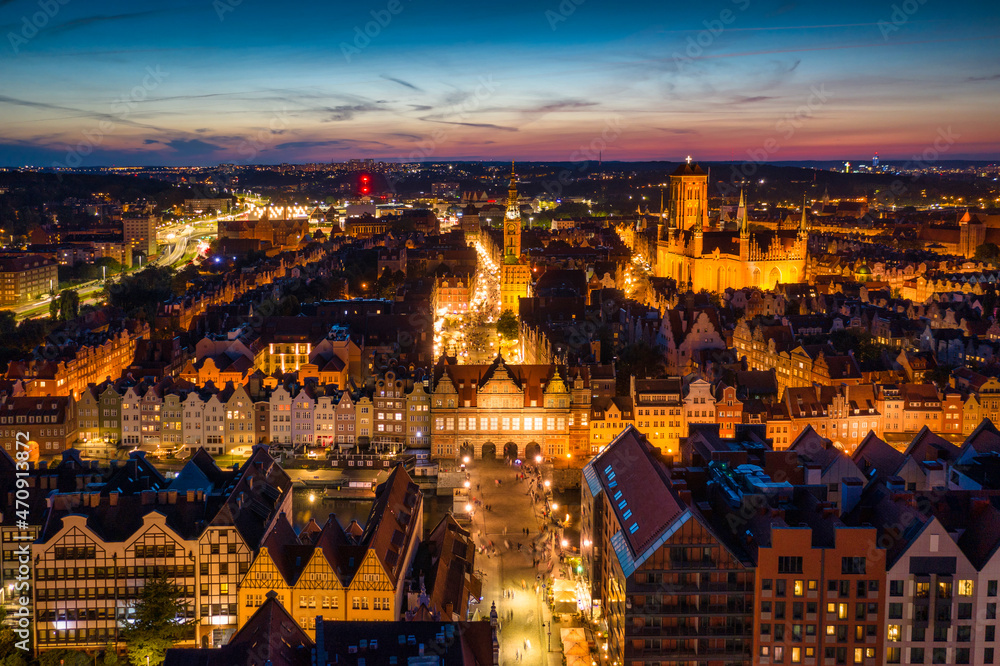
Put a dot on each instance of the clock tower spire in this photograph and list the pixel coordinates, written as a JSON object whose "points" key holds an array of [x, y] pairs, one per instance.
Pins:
{"points": [[515, 275], [512, 222]]}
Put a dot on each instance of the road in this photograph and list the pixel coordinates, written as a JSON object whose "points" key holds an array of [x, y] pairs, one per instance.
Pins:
{"points": [[524, 615], [176, 237], [461, 333]]}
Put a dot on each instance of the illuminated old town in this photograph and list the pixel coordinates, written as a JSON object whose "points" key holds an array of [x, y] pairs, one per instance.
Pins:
{"points": [[569, 335]]}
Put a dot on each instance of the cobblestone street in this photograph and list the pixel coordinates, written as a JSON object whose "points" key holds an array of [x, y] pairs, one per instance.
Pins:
{"points": [[511, 571]]}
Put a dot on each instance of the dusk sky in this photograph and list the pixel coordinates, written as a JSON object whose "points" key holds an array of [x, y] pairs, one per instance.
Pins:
{"points": [[263, 82]]}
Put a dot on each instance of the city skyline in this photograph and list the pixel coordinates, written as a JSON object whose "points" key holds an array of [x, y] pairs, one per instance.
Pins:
{"points": [[227, 81]]}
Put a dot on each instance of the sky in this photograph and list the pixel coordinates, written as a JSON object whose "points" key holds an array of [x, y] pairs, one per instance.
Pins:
{"points": [[105, 82]]}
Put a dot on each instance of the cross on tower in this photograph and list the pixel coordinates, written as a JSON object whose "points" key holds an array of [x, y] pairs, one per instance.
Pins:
{"points": [[688, 158]]}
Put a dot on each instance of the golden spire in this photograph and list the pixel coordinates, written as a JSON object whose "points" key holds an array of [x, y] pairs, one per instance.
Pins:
{"points": [[513, 210], [741, 217]]}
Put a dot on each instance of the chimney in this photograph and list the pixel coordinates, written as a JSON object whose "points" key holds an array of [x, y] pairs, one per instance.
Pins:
{"points": [[895, 484], [113, 498], [148, 497], [850, 493]]}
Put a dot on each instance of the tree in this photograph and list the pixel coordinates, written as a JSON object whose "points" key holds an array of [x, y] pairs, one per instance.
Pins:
{"points": [[507, 325], [988, 252], [64, 657], [69, 304], [10, 655], [157, 623], [8, 323], [110, 657]]}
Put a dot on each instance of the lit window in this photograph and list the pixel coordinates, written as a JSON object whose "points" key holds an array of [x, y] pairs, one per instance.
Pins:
{"points": [[965, 588]]}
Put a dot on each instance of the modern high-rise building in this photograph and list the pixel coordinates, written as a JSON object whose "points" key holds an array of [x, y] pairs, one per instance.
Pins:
{"points": [[24, 277], [140, 233]]}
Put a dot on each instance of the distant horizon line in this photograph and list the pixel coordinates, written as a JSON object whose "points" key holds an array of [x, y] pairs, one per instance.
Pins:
{"points": [[853, 161]]}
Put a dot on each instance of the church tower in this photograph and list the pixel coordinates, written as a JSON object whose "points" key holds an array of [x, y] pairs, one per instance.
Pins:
{"points": [[804, 222], [512, 223], [743, 223], [688, 197]]}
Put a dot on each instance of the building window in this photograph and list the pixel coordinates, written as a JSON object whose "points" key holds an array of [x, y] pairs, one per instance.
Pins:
{"points": [[789, 565], [852, 565]]}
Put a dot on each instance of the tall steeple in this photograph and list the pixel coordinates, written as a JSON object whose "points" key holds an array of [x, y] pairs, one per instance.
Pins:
{"points": [[512, 222], [741, 218], [804, 222]]}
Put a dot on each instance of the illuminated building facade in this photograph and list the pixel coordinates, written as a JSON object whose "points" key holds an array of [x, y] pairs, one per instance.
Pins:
{"points": [[499, 410], [672, 585], [201, 529], [715, 259], [340, 573]]}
